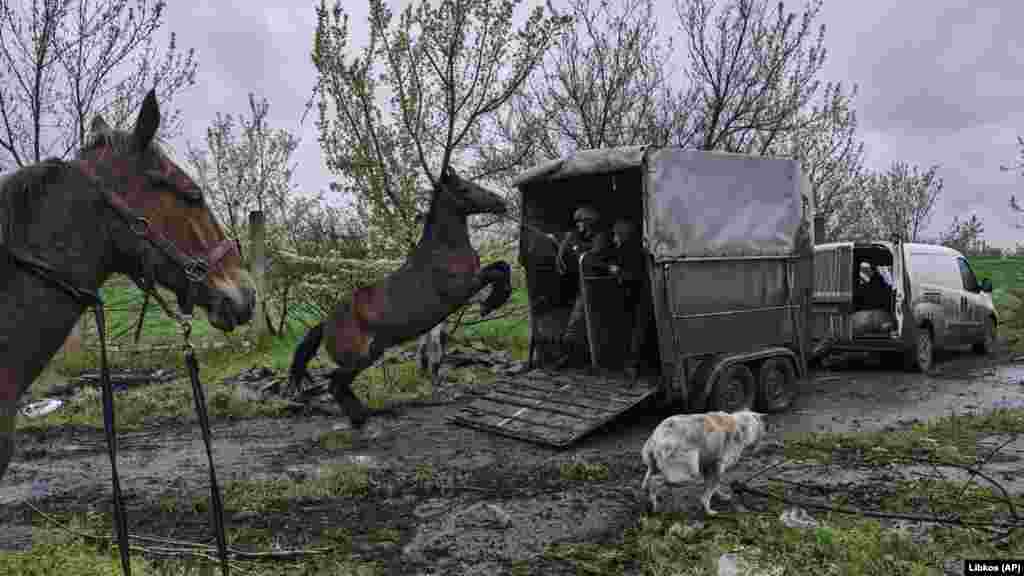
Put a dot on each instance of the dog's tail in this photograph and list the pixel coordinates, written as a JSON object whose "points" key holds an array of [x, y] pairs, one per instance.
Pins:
{"points": [[304, 352], [652, 466]]}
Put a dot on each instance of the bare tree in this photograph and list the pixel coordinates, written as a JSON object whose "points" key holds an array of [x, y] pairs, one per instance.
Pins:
{"points": [[903, 197], [1018, 166], [251, 174], [604, 84], [832, 158], [449, 67], [246, 165], [64, 61], [964, 235], [751, 71]]}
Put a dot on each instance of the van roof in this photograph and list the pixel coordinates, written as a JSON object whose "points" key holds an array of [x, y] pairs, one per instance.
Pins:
{"points": [[914, 247]]}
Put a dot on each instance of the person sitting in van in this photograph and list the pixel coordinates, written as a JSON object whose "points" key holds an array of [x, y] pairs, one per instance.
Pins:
{"points": [[576, 242], [871, 292]]}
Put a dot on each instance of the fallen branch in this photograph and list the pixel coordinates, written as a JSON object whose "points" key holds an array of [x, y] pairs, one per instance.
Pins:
{"points": [[740, 487], [974, 471], [1006, 495]]}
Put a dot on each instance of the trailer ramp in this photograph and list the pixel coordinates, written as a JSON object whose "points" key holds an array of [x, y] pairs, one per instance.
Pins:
{"points": [[551, 408]]}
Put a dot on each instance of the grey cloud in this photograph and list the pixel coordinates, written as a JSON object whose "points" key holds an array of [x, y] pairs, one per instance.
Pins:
{"points": [[930, 67]]}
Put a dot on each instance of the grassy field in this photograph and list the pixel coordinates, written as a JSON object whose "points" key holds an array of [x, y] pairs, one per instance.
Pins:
{"points": [[1007, 276]]}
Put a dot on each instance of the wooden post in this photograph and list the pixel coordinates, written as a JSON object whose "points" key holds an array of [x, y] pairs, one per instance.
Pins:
{"points": [[73, 343], [257, 268]]}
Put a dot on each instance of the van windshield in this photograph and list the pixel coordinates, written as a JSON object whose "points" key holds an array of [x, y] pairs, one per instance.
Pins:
{"points": [[936, 269]]}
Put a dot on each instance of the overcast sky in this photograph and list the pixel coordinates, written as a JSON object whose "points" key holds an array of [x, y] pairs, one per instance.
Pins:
{"points": [[941, 82]]}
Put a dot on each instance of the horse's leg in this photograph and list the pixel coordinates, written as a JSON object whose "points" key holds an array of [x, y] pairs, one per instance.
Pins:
{"points": [[499, 276], [8, 414], [341, 389], [304, 352]]}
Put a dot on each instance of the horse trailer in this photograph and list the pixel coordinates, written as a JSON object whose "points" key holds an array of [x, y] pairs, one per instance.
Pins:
{"points": [[731, 258]]}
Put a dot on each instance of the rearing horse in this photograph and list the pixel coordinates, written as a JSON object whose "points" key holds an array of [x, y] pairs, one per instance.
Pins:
{"points": [[65, 227], [441, 274]]}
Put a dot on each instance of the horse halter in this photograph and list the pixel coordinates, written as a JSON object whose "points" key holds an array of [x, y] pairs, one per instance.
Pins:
{"points": [[195, 268]]}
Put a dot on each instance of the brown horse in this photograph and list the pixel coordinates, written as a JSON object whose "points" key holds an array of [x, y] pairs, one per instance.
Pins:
{"points": [[65, 227], [440, 276]]}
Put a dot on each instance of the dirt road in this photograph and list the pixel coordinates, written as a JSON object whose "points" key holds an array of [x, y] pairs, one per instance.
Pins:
{"points": [[461, 501]]}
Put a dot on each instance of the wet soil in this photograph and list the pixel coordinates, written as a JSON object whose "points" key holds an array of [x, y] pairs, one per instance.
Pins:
{"points": [[460, 501]]}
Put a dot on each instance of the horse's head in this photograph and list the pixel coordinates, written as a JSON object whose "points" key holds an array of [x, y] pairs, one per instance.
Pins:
{"points": [[469, 197], [172, 237]]}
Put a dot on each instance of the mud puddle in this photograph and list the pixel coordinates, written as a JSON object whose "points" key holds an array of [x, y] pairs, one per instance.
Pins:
{"points": [[868, 400]]}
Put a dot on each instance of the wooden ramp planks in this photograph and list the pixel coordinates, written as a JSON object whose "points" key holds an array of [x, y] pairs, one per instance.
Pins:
{"points": [[551, 408]]}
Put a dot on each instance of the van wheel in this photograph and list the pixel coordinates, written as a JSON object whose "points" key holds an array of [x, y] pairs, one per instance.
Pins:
{"points": [[776, 382], [920, 357], [733, 390], [988, 342]]}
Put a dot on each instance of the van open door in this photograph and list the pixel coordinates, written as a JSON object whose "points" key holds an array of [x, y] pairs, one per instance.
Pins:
{"points": [[832, 301], [899, 273]]}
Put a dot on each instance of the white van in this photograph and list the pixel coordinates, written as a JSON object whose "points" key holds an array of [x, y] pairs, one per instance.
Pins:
{"points": [[936, 301]]}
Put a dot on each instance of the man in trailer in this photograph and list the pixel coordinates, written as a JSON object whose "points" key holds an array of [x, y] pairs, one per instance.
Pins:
{"points": [[630, 266], [577, 241]]}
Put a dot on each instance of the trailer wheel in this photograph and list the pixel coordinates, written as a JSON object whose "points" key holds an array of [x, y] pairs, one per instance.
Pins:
{"points": [[776, 380], [733, 390]]}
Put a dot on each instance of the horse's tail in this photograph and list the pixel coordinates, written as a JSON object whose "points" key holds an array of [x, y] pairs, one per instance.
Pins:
{"points": [[304, 352]]}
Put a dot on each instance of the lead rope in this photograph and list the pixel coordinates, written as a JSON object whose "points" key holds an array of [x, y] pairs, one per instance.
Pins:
{"points": [[198, 395], [120, 520]]}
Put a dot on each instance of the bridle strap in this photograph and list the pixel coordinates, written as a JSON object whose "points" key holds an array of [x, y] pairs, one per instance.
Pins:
{"points": [[196, 268]]}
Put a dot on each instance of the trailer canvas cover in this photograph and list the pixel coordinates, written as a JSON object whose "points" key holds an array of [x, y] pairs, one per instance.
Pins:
{"points": [[703, 204]]}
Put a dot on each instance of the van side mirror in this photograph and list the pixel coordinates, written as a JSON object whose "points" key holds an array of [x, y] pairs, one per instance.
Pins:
{"points": [[986, 285]]}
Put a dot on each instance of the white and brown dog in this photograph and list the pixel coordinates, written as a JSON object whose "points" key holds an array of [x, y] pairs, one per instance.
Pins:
{"points": [[693, 446]]}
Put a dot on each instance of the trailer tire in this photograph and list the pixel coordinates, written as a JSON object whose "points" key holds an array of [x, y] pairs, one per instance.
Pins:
{"points": [[733, 390], [776, 383]]}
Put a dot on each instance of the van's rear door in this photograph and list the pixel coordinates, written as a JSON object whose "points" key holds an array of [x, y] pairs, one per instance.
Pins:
{"points": [[833, 290]]}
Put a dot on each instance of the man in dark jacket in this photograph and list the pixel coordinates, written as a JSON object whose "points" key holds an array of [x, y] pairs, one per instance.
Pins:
{"points": [[630, 266], [583, 238], [871, 291]]}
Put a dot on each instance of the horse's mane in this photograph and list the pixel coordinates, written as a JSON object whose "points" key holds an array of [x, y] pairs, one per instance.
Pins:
{"points": [[21, 191]]}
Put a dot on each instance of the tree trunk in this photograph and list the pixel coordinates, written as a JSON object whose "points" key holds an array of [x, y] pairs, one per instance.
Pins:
{"points": [[258, 268]]}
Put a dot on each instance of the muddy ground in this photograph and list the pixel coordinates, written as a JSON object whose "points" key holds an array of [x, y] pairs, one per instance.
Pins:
{"points": [[461, 501]]}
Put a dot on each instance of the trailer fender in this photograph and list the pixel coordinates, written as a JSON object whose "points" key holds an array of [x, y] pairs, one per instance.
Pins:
{"points": [[717, 366]]}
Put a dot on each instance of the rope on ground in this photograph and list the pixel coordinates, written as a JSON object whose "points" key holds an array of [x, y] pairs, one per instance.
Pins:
{"points": [[182, 548], [974, 471], [740, 487]]}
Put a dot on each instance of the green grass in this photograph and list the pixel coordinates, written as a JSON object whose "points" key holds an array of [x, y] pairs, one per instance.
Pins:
{"points": [[580, 470], [276, 495], [510, 333], [57, 551], [1007, 276]]}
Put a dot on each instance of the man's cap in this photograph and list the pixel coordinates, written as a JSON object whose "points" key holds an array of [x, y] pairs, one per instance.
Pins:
{"points": [[585, 213]]}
